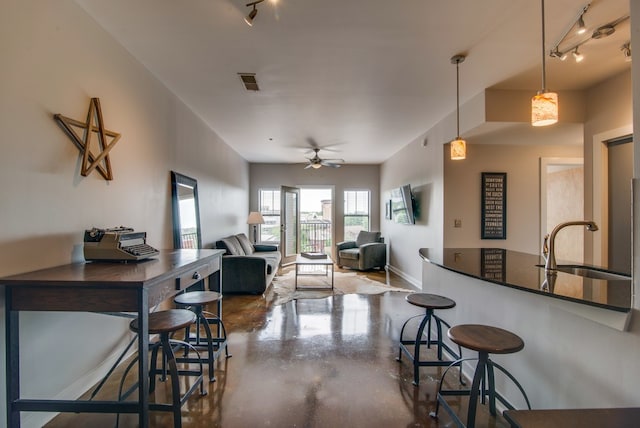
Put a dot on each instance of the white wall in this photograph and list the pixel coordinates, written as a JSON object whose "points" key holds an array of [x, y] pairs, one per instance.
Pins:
{"points": [[462, 194], [419, 164], [54, 58]]}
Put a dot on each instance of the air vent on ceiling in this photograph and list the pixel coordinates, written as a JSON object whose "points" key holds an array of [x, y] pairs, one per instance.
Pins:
{"points": [[249, 81]]}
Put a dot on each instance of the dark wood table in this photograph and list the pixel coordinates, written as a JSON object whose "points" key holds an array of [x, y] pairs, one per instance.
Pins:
{"points": [[574, 418], [100, 287]]}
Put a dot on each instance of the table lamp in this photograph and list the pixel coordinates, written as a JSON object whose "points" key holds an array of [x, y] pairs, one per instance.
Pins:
{"points": [[255, 218]]}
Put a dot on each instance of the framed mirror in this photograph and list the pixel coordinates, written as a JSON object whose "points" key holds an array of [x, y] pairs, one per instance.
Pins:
{"points": [[186, 212]]}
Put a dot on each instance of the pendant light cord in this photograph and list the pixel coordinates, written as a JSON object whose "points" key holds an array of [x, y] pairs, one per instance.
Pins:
{"points": [[544, 74], [457, 100]]}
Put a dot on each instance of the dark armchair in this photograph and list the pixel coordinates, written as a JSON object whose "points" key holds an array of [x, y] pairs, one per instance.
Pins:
{"points": [[368, 251]]}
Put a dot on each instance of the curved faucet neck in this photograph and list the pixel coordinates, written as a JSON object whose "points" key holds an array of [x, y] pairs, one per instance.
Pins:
{"points": [[550, 266]]}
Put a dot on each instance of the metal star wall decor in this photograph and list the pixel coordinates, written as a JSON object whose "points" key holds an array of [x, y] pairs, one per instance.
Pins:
{"points": [[93, 124]]}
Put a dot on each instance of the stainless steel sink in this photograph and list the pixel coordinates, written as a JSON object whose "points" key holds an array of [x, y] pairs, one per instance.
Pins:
{"points": [[589, 272]]}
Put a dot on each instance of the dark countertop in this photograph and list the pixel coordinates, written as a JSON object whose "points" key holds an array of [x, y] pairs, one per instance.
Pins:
{"points": [[574, 418], [518, 270]]}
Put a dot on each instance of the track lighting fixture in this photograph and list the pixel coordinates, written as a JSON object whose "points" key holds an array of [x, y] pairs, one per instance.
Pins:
{"points": [[249, 18], [544, 105], [599, 33], [458, 146]]}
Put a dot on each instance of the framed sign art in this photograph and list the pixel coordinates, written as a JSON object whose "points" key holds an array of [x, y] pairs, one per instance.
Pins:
{"points": [[494, 205]]}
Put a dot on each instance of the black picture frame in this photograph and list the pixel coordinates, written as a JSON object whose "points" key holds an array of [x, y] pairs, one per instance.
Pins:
{"points": [[185, 189], [494, 205]]}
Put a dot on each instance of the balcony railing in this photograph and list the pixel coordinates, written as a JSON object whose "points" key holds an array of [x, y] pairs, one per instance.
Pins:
{"points": [[315, 236]]}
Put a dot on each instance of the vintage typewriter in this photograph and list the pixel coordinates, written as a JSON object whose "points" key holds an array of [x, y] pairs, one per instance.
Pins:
{"points": [[116, 244]]}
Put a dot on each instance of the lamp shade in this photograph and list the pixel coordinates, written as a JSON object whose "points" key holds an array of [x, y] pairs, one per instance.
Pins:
{"points": [[458, 149], [255, 218], [544, 109]]}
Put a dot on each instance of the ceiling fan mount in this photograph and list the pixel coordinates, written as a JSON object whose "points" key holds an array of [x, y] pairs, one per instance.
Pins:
{"points": [[316, 161]]}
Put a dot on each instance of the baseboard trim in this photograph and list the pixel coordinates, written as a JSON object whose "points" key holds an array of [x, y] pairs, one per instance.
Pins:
{"points": [[417, 284]]}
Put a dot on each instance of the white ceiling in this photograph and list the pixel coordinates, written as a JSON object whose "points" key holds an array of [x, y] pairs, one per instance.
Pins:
{"points": [[362, 77]]}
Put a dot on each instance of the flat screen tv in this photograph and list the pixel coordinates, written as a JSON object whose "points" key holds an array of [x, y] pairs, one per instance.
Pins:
{"points": [[402, 205]]}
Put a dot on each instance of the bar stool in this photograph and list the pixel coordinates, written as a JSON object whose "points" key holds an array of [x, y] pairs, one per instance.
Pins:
{"points": [[196, 301], [486, 340], [430, 302], [165, 323]]}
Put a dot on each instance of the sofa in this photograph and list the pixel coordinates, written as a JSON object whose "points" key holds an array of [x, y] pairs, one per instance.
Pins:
{"points": [[247, 268], [368, 251]]}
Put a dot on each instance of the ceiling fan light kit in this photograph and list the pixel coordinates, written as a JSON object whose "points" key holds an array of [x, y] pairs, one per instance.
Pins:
{"points": [[317, 162]]}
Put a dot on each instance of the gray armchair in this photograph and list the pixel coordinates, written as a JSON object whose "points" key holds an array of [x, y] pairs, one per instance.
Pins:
{"points": [[368, 251]]}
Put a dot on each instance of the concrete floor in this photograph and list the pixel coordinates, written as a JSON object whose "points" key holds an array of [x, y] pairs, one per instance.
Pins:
{"points": [[310, 363]]}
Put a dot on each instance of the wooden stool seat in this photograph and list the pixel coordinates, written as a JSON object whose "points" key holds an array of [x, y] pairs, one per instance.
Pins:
{"points": [[167, 321], [195, 301], [430, 301], [484, 338], [197, 298]]}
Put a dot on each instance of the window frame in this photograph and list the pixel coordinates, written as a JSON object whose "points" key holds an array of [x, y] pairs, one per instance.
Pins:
{"points": [[346, 215]]}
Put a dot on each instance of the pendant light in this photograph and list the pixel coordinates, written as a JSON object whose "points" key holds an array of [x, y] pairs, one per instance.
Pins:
{"points": [[544, 105], [458, 146]]}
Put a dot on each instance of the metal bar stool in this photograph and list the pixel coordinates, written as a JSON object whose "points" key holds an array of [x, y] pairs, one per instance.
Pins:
{"points": [[165, 323], [486, 340], [196, 301], [430, 302]]}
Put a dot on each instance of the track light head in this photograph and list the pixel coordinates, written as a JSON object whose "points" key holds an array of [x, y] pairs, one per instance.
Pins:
{"points": [[581, 27], [626, 51], [557, 54], [577, 55], [249, 18]]}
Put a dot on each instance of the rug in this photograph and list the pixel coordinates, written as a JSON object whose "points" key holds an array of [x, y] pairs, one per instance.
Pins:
{"points": [[282, 289]]}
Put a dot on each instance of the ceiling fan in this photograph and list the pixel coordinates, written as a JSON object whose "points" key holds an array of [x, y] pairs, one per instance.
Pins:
{"points": [[316, 161]]}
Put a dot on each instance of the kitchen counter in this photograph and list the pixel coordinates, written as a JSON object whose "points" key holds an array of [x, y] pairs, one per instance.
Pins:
{"points": [[525, 272]]}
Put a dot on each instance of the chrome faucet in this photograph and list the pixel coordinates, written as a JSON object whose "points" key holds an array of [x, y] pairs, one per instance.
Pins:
{"points": [[549, 248]]}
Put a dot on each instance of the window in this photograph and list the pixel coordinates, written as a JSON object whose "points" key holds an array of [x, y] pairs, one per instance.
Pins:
{"points": [[269, 202], [356, 213]]}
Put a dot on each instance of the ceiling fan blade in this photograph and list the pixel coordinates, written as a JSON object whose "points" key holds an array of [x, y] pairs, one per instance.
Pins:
{"points": [[330, 164], [308, 166]]}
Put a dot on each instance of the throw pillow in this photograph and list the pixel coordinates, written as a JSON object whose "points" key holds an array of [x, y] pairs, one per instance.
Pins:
{"points": [[233, 246], [245, 243], [365, 237]]}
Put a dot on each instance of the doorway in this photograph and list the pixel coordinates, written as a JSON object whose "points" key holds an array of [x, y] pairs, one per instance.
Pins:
{"points": [[307, 221], [316, 219], [620, 173], [561, 200]]}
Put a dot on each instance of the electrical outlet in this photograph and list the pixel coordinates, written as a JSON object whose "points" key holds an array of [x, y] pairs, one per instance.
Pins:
{"points": [[457, 222]]}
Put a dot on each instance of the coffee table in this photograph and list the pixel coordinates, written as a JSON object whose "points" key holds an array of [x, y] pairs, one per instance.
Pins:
{"points": [[304, 261]]}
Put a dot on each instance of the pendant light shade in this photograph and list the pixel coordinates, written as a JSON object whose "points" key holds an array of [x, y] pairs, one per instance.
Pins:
{"points": [[544, 105], [458, 149], [458, 146], [544, 109]]}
